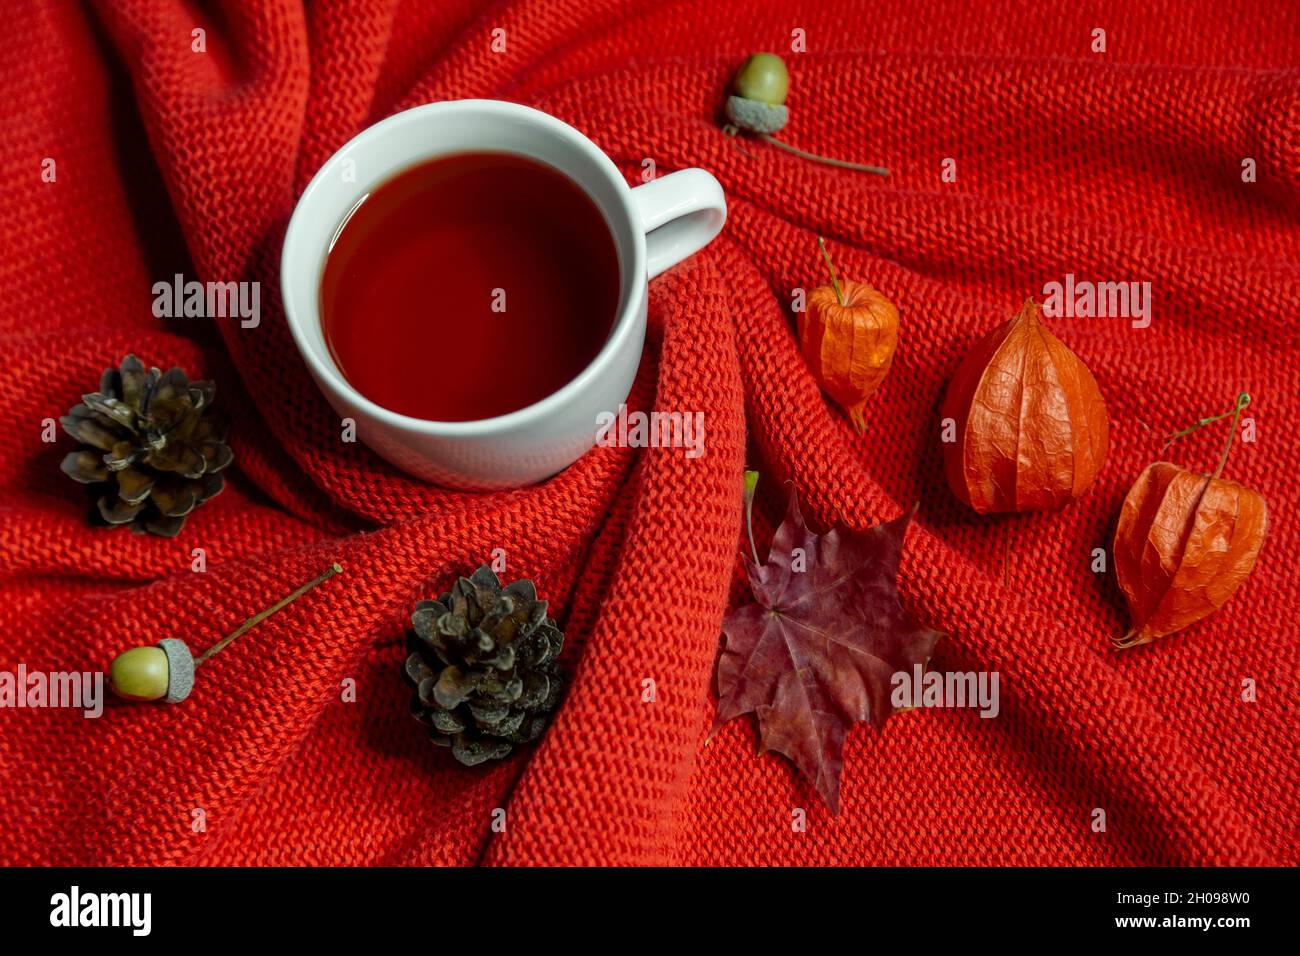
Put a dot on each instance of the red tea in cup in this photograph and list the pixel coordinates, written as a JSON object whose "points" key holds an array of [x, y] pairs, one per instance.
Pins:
{"points": [[469, 286]]}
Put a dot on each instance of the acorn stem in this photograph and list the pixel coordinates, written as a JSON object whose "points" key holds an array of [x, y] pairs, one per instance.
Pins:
{"points": [[262, 615], [827, 160], [821, 243]]}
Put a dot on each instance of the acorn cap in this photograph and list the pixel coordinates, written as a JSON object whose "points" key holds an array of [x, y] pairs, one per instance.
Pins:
{"points": [[756, 116], [180, 673]]}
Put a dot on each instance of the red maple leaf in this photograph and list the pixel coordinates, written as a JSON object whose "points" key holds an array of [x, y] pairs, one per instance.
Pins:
{"points": [[817, 650]]}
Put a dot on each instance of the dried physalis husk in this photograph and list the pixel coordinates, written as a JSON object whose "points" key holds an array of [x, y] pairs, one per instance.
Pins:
{"points": [[848, 334], [849, 346], [1031, 426], [1185, 542]]}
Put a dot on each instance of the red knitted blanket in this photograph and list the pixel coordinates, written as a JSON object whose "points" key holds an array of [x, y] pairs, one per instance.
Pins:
{"points": [[1122, 165]]}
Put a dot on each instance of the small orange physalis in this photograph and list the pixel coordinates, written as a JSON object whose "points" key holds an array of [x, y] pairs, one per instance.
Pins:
{"points": [[1185, 542], [848, 334]]}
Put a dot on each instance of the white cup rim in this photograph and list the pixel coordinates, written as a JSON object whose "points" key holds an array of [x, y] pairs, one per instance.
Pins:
{"points": [[624, 326]]}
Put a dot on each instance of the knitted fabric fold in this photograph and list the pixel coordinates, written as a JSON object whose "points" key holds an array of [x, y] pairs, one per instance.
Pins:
{"points": [[1019, 154]]}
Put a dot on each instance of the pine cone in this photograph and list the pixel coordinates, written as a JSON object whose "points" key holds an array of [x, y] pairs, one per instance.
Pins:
{"points": [[152, 451], [483, 663]]}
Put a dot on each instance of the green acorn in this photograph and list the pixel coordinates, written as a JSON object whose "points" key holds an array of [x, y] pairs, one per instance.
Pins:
{"points": [[757, 107], [166, 670], [761, 86]]}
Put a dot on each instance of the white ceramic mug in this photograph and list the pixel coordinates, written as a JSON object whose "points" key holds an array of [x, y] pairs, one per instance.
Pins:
{"points": [[654, 226]]}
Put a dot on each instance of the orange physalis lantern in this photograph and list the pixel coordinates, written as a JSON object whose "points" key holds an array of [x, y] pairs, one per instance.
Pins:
{"points": [[848, 334]]}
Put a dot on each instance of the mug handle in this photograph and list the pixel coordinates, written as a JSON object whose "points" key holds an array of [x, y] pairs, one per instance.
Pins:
{"points": [[680, 213]]}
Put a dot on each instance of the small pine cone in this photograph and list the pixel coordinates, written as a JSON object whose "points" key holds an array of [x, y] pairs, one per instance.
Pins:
{"points": [[151, 449], [484, 665]]}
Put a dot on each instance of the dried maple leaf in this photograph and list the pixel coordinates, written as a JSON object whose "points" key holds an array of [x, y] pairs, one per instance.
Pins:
{"points": [[817, 649]]}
